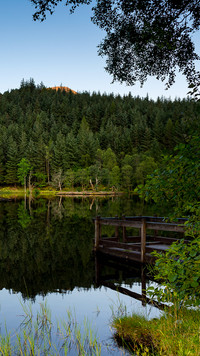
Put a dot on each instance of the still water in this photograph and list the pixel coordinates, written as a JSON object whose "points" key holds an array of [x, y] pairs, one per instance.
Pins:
{"points": [[46, 261]]}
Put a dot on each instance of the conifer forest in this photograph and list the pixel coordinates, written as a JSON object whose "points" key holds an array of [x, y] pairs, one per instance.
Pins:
{"points": [[87, 141]]}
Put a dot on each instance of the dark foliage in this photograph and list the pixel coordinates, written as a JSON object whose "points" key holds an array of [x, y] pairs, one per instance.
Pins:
{"points": [[143, 38], [86, 139]]}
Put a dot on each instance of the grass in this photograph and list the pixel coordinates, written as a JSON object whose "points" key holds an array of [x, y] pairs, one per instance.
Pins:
{"points": [[11, 190], [20, 191], [50, 191], [38, 336], [176, 333]]}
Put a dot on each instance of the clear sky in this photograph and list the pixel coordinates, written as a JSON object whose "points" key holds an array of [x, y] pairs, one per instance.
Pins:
{"points": [[62, 50]]}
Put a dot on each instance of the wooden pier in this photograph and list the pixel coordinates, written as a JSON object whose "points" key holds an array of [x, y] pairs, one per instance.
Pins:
{"points": [[127, 273], [136, 248]]}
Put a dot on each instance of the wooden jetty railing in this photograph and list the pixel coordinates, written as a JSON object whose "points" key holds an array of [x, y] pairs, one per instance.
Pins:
{"points": [[136, 248]]}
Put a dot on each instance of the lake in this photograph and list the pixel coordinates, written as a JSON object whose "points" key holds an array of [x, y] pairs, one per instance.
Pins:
{"points": [[47, 265]]}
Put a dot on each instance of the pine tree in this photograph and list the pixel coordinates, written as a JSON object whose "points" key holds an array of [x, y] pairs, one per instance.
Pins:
{"points": [[71, 157], [2, 166], [87, 145], [12, 160], [3, 150], [48, 159], [23, 144], [158, 129], [59, 153], [169, 134], [146, 140]]}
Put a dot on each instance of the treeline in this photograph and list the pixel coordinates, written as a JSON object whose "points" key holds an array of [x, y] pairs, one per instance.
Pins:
{"points": [[87, 140]]}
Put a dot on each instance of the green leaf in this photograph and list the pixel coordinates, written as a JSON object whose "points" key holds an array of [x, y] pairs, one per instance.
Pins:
{"points": [[193, 253], [173, 277], [194, 284]]}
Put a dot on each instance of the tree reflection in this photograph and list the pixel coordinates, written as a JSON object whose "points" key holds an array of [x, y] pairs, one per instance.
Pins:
{"points": [[46, 245]]}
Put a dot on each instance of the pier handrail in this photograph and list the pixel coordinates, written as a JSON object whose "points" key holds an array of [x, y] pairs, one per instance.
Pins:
{"points": [[138, 221], [148, 218], [141, 222]]}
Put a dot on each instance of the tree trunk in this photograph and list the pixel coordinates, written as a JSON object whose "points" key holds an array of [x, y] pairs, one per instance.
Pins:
{"points": [[25, 184], [29, 181], [91, 184]]}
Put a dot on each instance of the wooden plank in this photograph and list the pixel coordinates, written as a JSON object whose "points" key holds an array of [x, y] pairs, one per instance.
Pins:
{"points": [[129, 239], [164, 227], [127, 255], [163, 239], [150, 247], [124, 236], [153, 242], [117, 230], [136, 224], [132, 255], [109, 238], [97, 232], [157, 248], [156, 219], [134, 295], [121, 245], [148, 218]]}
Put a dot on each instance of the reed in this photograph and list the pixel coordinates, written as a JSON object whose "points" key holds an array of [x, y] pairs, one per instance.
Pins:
{"points": [[37, 335]]}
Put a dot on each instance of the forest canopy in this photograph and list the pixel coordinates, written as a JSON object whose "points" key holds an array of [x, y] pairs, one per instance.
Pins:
{"points": [[88, 140]]}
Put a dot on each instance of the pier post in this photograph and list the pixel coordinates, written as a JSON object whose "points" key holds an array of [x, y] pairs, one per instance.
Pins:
{"points": [[143, 279], [117, 230], [97, 232], [97, 270], [143, 240], [124, 230]]}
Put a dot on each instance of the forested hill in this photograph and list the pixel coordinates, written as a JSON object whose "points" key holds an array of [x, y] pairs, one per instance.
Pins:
{"points": [[87, 139]]}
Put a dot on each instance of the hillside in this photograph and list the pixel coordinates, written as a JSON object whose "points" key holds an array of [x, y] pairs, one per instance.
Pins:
{"points": [[88, 140], [63, 88]]}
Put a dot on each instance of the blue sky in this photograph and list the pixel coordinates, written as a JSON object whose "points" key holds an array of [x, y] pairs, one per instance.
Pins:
{"points": [[62, 50]]}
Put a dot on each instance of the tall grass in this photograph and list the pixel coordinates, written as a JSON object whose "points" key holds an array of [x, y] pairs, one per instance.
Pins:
{"points": [[177, 332], [37, 336]]}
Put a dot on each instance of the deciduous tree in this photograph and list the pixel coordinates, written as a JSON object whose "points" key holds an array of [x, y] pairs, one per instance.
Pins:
{"points": [[24, 168]]}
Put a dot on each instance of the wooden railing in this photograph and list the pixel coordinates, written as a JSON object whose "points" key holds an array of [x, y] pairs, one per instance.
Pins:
{"points": [[143, 223]]}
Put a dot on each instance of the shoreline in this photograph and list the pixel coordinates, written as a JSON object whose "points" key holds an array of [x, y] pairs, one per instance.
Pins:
{"points": [[37, 192], [89, 193]]}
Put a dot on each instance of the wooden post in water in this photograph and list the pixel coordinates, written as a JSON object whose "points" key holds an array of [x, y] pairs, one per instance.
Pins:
{"points": [[117, 230], [97, 270], [143, 279], [155, 231], [97, 232], [143, 240], [124, 230]]}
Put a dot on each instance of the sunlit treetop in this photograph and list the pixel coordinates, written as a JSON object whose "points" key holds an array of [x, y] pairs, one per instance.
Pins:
{"points": [[143, 37]]}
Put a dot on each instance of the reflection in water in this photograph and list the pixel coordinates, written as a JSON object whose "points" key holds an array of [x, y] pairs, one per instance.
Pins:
{"points": [[46, 251], [46, 244]]}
